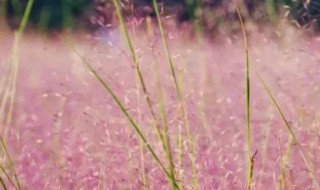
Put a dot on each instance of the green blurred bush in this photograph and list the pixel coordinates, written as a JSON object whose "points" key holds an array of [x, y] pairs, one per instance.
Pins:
{"points": [[46, 13], [212, 14], [208, 15]]}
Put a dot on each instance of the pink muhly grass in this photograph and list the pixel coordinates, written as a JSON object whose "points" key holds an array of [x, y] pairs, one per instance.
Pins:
{"points": [[70, 134]]}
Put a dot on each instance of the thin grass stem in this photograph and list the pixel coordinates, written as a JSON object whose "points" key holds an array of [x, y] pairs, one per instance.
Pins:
{"points": [[247, 101]]}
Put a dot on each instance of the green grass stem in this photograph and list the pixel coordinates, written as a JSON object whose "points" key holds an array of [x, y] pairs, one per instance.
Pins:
{"points": [[247, 102]]}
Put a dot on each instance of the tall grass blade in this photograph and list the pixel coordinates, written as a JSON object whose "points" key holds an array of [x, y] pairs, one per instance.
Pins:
{"points": [[25, 17], [247, 104], [291, 132]]}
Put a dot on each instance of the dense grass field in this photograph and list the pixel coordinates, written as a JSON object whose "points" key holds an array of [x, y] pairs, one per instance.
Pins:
{"points": [[63, 130]]}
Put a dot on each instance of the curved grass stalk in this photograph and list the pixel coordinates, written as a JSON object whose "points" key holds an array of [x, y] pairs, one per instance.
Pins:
{"points": [[247, 103], [135, 126], [180, 97], [292, 134]]}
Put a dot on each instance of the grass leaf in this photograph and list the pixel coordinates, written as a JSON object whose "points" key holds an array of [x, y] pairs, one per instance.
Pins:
{"points": [[247, 104]]}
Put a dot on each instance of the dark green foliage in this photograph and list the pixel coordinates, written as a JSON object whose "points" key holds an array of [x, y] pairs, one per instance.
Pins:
{"points": [[307, 13], [46, 13], [304, 12], [208, 14]]}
